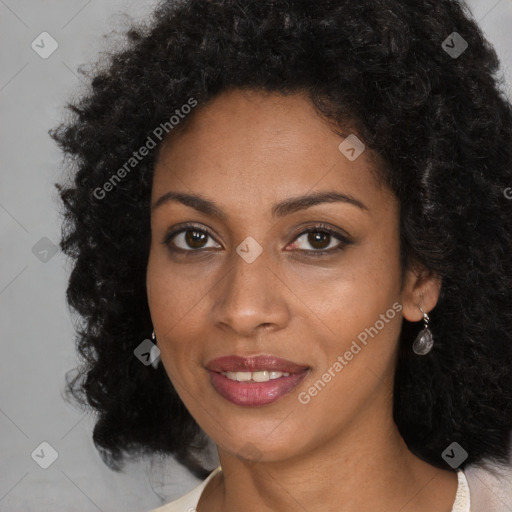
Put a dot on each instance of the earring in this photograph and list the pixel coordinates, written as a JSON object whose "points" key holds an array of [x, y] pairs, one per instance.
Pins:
{"points": [[154, 349], [424, 341]]}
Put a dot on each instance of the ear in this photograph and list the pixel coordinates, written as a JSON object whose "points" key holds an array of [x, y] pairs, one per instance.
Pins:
{"points": [[421, 289]]}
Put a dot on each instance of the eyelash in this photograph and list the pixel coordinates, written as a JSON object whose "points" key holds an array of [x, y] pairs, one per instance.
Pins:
{"points": [[318, 228]]}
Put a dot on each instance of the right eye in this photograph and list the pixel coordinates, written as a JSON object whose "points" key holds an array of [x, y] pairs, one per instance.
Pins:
{"points": [[187, 238]]}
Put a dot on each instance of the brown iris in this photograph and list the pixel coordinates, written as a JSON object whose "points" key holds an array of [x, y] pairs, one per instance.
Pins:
{"points": [[315, 237], [193, 237]]}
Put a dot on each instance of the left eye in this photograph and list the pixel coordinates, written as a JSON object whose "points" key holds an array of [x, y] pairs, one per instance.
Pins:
{"points": [[320, 240]]}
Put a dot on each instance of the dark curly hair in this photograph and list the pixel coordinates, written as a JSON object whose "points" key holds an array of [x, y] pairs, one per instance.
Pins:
{"points": [[439, 123]]}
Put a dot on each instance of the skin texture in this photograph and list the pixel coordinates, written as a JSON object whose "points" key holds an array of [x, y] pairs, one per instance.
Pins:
{"points": [[246, 151]]}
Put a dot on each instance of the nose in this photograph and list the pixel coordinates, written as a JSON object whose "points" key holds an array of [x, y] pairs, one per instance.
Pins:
{"points": [[251, 298]]}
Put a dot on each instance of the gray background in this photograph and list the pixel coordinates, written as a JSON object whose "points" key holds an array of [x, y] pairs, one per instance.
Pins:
{"points": [[36, 332]]}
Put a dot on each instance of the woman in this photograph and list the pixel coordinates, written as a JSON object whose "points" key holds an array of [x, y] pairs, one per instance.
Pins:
{"points": [[304, 206]]}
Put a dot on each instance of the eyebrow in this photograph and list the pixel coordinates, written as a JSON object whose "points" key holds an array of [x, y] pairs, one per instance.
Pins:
{"points": [[281, 209]]}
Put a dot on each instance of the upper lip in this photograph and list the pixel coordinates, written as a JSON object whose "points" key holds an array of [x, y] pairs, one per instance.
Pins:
{"points": [[235, 363]]}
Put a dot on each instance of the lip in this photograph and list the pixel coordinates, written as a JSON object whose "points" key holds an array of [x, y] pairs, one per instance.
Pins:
{"points": [[249, 393], [235, 363]]}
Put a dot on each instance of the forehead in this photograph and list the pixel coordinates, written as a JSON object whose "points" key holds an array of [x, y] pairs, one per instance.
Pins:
{"points": [[248, 149]]}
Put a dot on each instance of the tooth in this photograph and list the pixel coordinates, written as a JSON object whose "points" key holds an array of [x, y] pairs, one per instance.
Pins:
{"points": [[261, 376]]}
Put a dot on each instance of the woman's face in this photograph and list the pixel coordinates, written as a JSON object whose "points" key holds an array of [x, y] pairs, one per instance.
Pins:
{"points": [[247, 279]]}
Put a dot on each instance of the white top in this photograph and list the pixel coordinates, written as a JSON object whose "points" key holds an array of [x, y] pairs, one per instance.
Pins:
{"points": [[189, 501]]}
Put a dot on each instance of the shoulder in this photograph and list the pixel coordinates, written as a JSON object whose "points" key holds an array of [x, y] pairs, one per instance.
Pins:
{"points": [[189, 501]]}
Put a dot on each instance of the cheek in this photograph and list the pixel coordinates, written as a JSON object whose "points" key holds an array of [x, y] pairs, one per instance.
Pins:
{"points": [[178, 298], [173, 291], [359, 308], [170, 300], [351, 294], [363, 322], [355, 361]]}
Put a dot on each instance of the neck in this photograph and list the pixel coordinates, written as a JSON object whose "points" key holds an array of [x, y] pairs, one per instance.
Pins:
{"points": [[368, 467]]}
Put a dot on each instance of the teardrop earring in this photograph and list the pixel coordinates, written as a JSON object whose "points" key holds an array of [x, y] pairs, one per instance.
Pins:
{"points": [[156, 351], [423, 343]]}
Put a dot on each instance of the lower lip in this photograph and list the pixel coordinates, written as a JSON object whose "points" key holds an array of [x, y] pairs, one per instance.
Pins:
{"points": [[251, 393]]}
